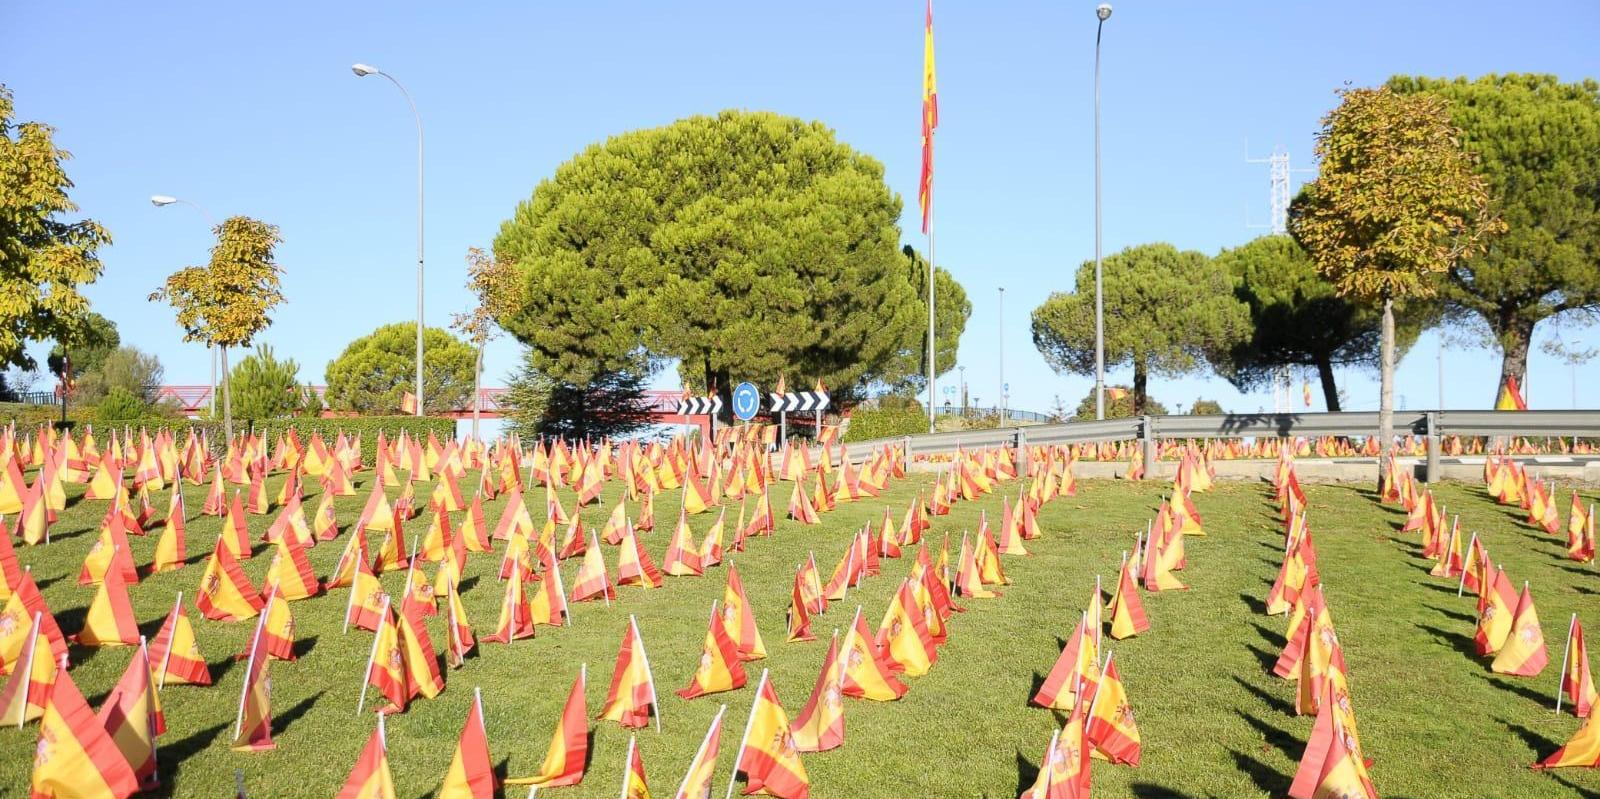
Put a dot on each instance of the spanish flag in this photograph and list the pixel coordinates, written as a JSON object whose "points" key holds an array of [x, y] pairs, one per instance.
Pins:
{"points": [[370, 777], [569, 746], [386, 667], [633, 781], [1576, 681], [633, 688], [1329, 767], [75, 755], [768, 755], [1510, 398], [225, 592], [720, 668], [408, 403], [697, 782], [739, 620], [1111, 729], [1581, 750], [175, 655], [132, 715], [820, 725], [930, 119], [110, 620], [1126, 609], [471, 774], [1524, 653], [27, 692]]}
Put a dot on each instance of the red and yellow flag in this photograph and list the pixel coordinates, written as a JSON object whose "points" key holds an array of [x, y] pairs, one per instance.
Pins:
{"points": [[27, 691], [768, 755], [720, 667], [865, 674], [370, 777], [1110, 728], [75, 756], [697, 782], [175, 655], [132, 715], [569, 746], [633, 688], [225, 592], [820, 724], [930, 120], [110, 621], [252, 728], [1331, 765], [634, 785], [471, 774], [740, 620], [1524, 653], [1576, 681], [1510, 398]]}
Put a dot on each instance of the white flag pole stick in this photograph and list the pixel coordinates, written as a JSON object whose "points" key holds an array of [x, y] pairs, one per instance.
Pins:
{"points": [[733, 776], [1565, 651]]}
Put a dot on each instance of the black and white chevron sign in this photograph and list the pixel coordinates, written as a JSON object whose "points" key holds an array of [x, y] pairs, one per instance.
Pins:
{"points": [[700, 406], [799, 401]]}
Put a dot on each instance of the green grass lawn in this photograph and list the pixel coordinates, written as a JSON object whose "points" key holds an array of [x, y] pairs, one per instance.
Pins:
{"points": [[1214, 722]]}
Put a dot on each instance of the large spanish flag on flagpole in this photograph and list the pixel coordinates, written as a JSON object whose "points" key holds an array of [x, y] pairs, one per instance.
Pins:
{"points": [[930, 119]]}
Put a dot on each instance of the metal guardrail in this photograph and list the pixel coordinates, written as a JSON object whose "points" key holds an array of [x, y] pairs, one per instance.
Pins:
{"points": [[1433, 425]]}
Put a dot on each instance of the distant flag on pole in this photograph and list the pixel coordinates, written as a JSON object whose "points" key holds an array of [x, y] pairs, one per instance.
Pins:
{"points": [[408, 404], [930, 118], [1510, 396], [1305, 392]]}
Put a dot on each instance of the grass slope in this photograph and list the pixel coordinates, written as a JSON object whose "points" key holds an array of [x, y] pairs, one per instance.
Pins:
{"points": [[1215, 724]]}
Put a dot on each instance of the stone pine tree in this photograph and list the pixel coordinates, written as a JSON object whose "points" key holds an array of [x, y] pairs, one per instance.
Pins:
{"points": [[229, 300], [497, 293], [44, 259], [375, 371], [1537, 142], [1298, 320], [745, 245], [1167, 312], [1395, 205]]}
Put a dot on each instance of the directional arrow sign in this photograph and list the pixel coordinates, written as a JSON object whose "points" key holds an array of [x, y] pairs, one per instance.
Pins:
{"points": [[700, 406], [799, 401]]}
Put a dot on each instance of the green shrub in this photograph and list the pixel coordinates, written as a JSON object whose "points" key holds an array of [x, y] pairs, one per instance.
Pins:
{"points": [[119, 403], [885, 423]]}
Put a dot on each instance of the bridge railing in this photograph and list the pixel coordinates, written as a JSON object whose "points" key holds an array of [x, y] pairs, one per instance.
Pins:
{"points": [[1431, 425]]}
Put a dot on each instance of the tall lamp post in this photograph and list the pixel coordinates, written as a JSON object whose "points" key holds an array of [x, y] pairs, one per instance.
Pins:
{"points": [[162, 201], [1103, 12], [362, 71]]}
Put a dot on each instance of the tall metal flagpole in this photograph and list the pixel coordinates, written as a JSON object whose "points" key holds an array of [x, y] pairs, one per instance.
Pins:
{"points": [[1103, 11], [932, 351]]}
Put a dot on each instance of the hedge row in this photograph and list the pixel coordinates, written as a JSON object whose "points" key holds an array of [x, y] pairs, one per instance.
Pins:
{"points": [[885, 423]]}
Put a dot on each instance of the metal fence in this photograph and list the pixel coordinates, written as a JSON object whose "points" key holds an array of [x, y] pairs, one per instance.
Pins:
{"points": [[1432, 425]]}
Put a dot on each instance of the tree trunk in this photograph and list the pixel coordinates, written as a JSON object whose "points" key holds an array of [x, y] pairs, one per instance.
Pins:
{"points": [[1330, 389], [1386, 371], [1515, 336], [1139, 383], [477, 393], [227, 398]]}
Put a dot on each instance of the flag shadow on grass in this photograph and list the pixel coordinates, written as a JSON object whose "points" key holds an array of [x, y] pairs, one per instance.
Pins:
{"points": [[1266, 778], [1463, 644], [1276, 703], [1027, 772], [1265, 658], [1254, 604], [1269, 637], [170, 757], [1453, 614], [1580, 792], [281, 721], [1540, 745], [1275, 737], [1521, 689], [1149, 790]]}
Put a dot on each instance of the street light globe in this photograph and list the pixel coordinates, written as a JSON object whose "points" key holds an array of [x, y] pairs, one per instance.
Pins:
{"points": [[159, 200], [1103, 11], [363, 70]]}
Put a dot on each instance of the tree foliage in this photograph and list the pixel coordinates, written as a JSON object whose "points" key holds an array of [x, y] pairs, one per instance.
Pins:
{"points": [[229, 300], [1297, 319], [1206, 407], [1537, 142], [497, 292], [87, 344], [612, 404], [266, 387], [1395, 205], [126, 368], [375, 370], [745, 245], [951, 309], [44, 260], [1117, 407], [1167, 312]]}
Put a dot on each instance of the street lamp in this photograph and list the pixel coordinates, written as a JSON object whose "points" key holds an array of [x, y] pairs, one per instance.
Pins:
{"points": [[362, 71], [162, 201], [1103, 12]]}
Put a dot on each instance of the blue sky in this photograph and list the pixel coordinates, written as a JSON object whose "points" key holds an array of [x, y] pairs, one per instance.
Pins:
{"points": [[253, 110]]}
